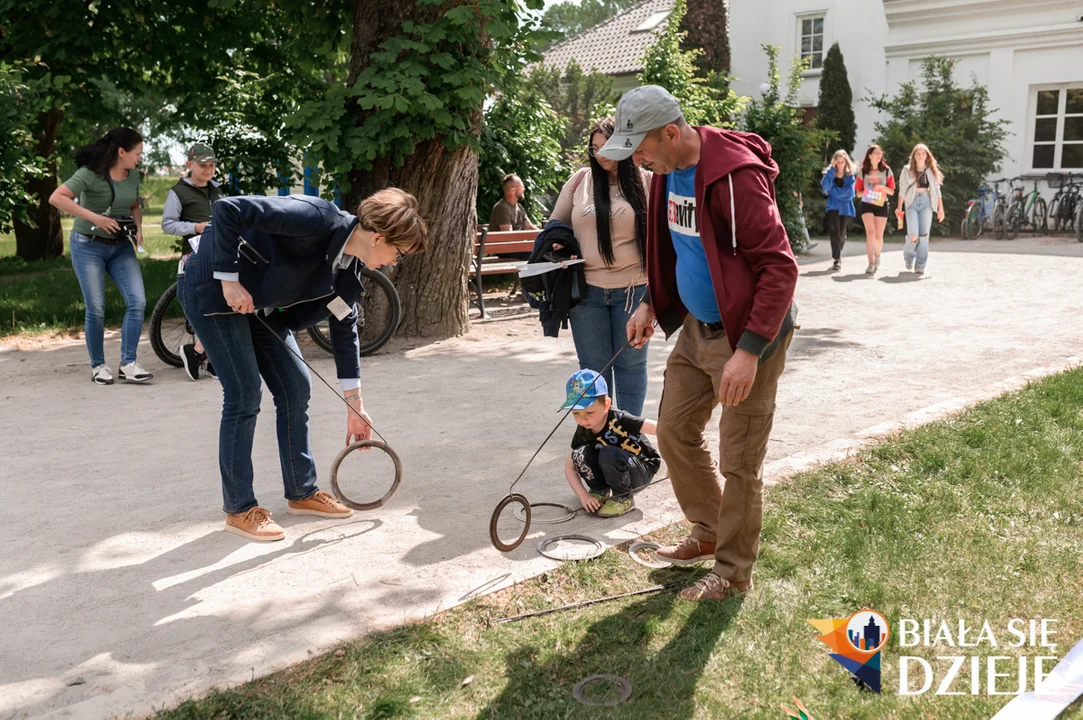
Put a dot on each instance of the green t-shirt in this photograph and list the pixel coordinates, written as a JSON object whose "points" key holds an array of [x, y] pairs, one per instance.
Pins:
{"points": [[92, 190], [504, 213]]}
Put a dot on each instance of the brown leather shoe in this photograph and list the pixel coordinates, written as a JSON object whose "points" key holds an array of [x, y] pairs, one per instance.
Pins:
{"points": [[255, 524], [687, 552], [321, 505], [714, 587]]}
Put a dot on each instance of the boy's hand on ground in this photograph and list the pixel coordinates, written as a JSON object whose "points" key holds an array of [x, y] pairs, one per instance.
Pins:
{"points": [[589, 503], [737, 377]]}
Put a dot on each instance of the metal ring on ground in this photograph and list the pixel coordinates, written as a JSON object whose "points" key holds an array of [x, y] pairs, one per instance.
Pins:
{"points": [[357, 446], [637, 546], [494, 537], [543, 546], [625, 690], [520, 513]]}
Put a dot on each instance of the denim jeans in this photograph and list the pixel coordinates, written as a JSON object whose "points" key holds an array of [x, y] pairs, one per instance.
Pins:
{"points": [[242, 351], [611, 469], [919, 218], [599, 323], [91, 261]]}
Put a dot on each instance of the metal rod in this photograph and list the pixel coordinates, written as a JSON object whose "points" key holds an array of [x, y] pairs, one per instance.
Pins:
{"points": [[584, 603]]}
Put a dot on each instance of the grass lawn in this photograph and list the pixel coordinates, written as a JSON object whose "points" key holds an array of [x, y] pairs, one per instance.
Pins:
{"points": [[45, 297], [979, 517]]}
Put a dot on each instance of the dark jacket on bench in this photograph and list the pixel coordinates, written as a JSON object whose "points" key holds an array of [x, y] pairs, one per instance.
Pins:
{"points": [[555, 293]]}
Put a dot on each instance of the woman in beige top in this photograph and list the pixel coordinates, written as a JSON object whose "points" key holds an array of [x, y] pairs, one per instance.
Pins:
{"points": [[606, 205]]}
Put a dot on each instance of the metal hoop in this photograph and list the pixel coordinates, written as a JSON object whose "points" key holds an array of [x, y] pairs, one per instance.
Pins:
{"points": [[625, 690], [494, 538], [520, 514], [637, 546], [543, 546], [357, 446]]}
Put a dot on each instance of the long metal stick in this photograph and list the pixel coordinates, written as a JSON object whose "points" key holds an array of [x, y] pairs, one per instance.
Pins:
{"points": [[584, 603]]}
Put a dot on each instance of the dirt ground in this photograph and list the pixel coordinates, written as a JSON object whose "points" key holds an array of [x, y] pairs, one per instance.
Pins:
{"points": [[120, 593]]}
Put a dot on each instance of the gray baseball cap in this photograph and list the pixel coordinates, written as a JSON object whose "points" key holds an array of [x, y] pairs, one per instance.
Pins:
{"points": [[639, 111]]}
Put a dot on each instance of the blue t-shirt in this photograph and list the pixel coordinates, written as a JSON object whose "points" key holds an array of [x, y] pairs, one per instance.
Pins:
{"points": [[694, 283]]}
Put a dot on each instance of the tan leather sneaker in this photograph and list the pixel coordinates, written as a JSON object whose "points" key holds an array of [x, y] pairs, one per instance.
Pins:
{"points": [[687, 552], [321, 505], [714, 587], [256, 524]]}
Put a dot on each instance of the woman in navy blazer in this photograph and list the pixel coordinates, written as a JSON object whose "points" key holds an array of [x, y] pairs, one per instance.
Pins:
{"points": [[295, 261], [838, 188]]}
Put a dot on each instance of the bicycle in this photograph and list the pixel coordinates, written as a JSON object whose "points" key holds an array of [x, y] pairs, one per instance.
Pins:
{"points": [[980, 210], [378, 317], [1029, 209], [1062, 208]]}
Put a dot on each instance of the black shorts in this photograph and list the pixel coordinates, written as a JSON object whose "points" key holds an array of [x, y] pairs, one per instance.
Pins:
{"points": [[875, 210]]}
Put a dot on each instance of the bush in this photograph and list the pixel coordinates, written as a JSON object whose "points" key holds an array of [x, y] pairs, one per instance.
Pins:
{"points": [[705, 101], [19, 104], [954, 122], [577, 97], [795, 146], [521, 134]]}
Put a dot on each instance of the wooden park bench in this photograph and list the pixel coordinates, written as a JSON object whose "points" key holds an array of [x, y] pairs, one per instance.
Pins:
{"points": [[489, 244]]}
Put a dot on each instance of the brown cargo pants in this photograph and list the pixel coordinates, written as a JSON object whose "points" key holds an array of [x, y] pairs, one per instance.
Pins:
{"points": [[731, 518]]}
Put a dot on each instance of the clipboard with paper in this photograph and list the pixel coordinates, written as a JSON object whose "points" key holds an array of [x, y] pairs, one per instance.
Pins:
{"points": [[540, 268]]}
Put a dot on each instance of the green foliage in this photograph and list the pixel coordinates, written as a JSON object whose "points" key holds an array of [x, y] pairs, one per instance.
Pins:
{"points": [[429, 83], [836, 103], [707, 25], [794, 145], [955, 122], [705, 101], [19, 104], [570, 18], [521, 134], [577, 97]]}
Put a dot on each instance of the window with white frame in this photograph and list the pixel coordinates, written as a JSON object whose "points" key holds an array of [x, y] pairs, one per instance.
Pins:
{"points": [[1058, 128], [810, 29]]}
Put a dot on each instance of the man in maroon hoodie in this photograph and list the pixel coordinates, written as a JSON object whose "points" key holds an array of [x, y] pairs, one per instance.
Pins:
{"points": [[719, 268]]}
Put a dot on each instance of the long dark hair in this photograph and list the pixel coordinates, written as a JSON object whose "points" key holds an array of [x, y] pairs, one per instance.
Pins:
{"points": [[866, 164], [101, 155], [631, 187]]}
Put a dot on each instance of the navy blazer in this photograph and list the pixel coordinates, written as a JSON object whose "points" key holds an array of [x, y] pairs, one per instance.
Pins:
{"points": [[283, 250]]}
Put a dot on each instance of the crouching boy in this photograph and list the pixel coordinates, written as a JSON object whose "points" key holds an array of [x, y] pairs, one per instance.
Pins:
{"points": [[610, 453]]}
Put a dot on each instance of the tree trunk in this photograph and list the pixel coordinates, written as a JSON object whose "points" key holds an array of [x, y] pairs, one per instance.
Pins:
{"points": [[42, 237], [432, 286]]}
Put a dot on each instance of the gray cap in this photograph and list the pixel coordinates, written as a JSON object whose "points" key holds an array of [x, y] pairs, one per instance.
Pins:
{"points": [[639, 111]]}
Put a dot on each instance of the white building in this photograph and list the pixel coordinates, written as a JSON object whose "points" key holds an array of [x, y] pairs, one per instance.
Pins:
{"points": [[1028, 53]]}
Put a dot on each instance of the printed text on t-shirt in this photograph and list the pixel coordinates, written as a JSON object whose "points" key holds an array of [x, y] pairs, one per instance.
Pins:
{"points": [[682, 215]]}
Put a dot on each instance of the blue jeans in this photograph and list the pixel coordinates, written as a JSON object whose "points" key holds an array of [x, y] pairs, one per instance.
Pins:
{"points": [[599, 330], [91, 261], [242, 351], [919, 218]]}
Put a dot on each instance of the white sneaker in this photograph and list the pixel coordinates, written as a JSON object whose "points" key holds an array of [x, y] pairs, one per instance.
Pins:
{"points": [[871, 269], [133, 372], [101, 375], [909, 265]]}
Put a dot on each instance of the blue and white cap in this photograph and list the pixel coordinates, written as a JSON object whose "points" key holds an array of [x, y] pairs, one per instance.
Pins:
{"points": [[582, 389]]}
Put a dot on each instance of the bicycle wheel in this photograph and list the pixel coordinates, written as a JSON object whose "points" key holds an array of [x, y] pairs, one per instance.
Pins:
{"points": [[1014, 220], [1055, 209], [999, 221], [1079, 221], [378, 315], [169, 329], [1040, 217], [971, 227]]}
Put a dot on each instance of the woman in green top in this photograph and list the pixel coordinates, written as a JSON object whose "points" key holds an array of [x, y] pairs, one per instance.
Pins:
{"points": [[106, 186]]}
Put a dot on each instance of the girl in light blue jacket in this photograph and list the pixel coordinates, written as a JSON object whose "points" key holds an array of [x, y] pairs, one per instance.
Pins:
{"points": [[838, 188]]}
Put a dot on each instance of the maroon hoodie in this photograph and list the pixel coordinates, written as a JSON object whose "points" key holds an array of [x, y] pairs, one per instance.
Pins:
{"points": [[752, 266]]}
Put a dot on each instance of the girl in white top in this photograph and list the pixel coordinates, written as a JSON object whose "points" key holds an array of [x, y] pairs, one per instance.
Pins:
{"points": [[919, 194], [606, 205]]}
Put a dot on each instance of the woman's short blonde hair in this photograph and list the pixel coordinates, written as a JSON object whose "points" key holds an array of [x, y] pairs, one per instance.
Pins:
{"points": [[393, 213]]}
